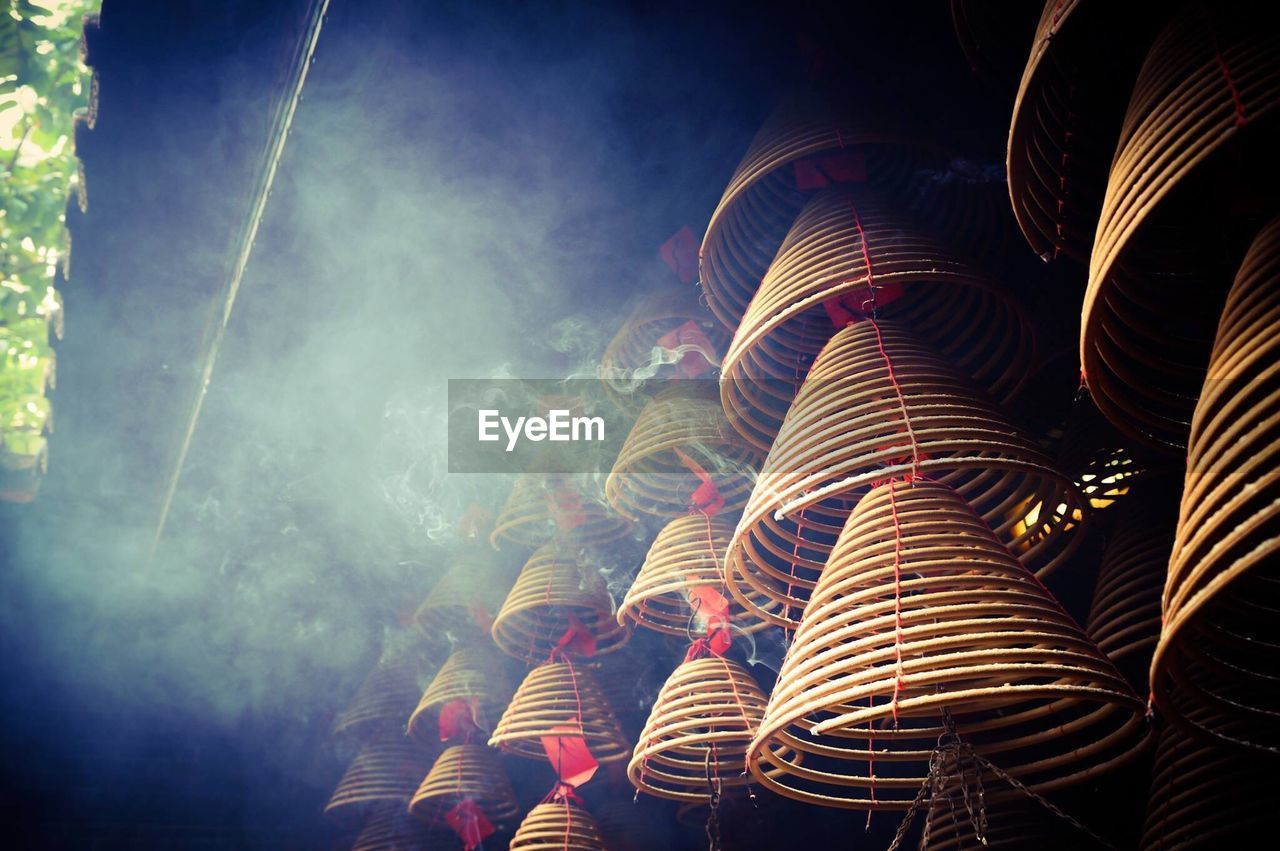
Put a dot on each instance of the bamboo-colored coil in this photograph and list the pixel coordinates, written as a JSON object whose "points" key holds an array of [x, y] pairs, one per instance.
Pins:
{"points": [[1206, 797], [467, 771], [463, 599], [935, 621], [700, 726], [558, 826], [386, 769], [846, 431], [845, 243], [551, 699], [1205, 99], [1220, 645], [634, 355], [553, 588], [1067, 115], [622, 679], [688, 553], [383, 700], [650, 478], [391, 828], [543, 508], [762, 198], [475, 675], [1124, 617]]}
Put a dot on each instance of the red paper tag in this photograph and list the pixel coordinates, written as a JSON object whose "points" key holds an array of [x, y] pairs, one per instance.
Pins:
{"points": [[569, 755], [475, 522], [480, 615], [566, 509], [822, 170], [851, 307], [713, 610], [706, 497], [458, 718], [577, 639], [680, 253], [694, 352], [470, 823]]}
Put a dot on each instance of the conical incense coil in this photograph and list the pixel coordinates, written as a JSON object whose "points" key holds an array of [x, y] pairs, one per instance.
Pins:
{"points": [[700, 726], [661, 331], [680, 441], [463, 601], [476, 677], [684, 561], [1010, 824], [543, 508], [553, 594], [558, 826], [385, 769], [560, 699], [383, 700], [467, 772], [391, 828], [1067, 115], [1206, 797], [622, 679], [1220, 644], [847, 431], [766, 192], [921, 620], [847, 247], [1202, 117], [1124, 618]]}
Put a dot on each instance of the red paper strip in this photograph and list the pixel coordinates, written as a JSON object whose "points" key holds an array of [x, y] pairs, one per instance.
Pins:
{"points": [[470, 823], [823, 170], [568, 753], [850, 307], [680, 253], [458, 718], [480, 614], [566, 509], [578, 639], [706, 498], [694, 352], [713, 610]]}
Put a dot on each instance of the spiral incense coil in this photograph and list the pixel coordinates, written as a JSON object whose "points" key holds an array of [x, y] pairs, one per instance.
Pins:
{"points": [[1220, 642], [622, 679], [383, 700], [1202, 117], [846, 245], [1124, 618], [681, 430], [385, 770], [635, 354], [923, 616], [545, 508], [1205, 797], [552, 590], [391, 828], [459, 605], [467, 771], [687, 554], [763, 196], [558, 826], [700, 726], [1011, 824], [474, 675], [549, 702], [847, 431]]}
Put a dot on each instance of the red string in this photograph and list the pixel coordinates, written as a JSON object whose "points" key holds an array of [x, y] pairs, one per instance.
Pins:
{"points": [[902, 401], [1241, 117], [897, 604], [568, 822]]}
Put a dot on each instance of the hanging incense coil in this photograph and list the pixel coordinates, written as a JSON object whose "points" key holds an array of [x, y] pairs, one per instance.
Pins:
{"points": [[1218, 651], [846, 431], [840, 241], [550, 702], [644, 348], [542, 508], [384, 699], [624, 679], [385, 770], [474, 675], [764, 195], [553, 590], [1010, 824], [923, 620], [687, 555], [1124, 618], [462, 772], [1202, 117], [681, 434], [461, 603], [700, 726], [1206, 797], [391, 828], [558, 826]]}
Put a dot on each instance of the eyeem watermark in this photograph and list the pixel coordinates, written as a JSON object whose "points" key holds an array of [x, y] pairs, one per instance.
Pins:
{"points": [[558, 426]]}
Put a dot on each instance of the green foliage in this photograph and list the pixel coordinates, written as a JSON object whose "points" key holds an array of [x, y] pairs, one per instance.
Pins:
{"points": [[44, 90]]}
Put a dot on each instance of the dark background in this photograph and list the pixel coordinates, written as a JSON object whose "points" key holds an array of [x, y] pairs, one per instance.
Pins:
{"points": [[470, 190]]}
